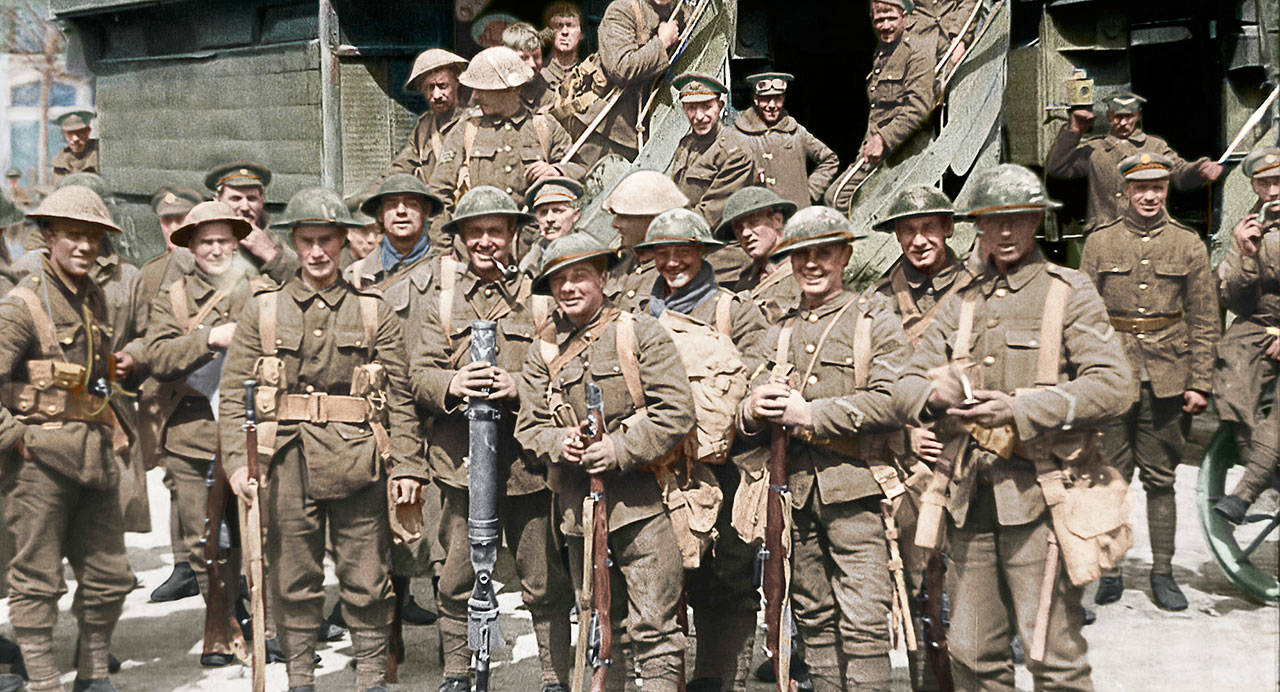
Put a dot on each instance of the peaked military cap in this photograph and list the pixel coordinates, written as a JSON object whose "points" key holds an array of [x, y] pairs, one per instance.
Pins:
{"points": [[13, 173], [553, 189], [1005, 189], [907, 5], [1262, 163], [567, 250], [769, 83], [1146, 166], [749, 200], [485, 200], [75, 120], [644, 193], [171, 200], [1125, 102], [402, 184], [495, 69], [816, 225], [238, 174], [316, 206], [921, 200], [678, 227], [76, 203], [693, 87], [209, 212], [431, 60]]}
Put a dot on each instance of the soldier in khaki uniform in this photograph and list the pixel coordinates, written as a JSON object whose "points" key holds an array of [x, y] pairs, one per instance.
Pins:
{"points": [[444, 376], [81, 153], [1097, 157], [712, 161], [720, 591], [634, 202], [755, 217], [500, 143], [435, 76], [62, 495], [563, 22], [1154, 278], [555, 205], [582, 342], [1246, 370], [333, 462], [928, 272], [525, 40], [190, 327], [998, 523], [636, 39], [781, 148], [833, 404], [900, 91], [242, 185]]}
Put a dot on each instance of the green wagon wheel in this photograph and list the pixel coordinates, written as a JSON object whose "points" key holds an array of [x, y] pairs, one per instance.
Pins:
{"points": [[1219, 534]]}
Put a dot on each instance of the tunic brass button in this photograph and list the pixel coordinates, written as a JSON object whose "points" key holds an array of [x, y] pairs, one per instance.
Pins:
{"points": [[992, 323], [631, 293], [507, 169], [279, 341], [768, 156], [1142, 286], [812, 317], [310, 389], [848, 360], [506, 126], [508, 190], [1145, 261], [1140, 336], [1000, 292], [40, 384], [1146, 238], [808, 348], [1115, 269], [616, 368], [66, 340], [507, 148], [813, 379], [52, 408], [989, 360], [488, 292], [1142, 310]]}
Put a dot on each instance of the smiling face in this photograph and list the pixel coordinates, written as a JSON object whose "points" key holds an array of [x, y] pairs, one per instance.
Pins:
{"points": [[402, 215], [214, 246], [77, 140], [759, 232], [678, 264], [770, 107], [579, 290], [923, 240], [819, 270], [246, 201], [888, 21], [1007, 239], [703, 115], [73, 246], [1123, 124], [319, 248], [1147, 197], [440, 89], [555, 219], [488, 242]]}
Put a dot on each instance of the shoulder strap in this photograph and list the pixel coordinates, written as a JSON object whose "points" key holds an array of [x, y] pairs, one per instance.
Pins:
{"points": [[902, 295], [557, 357], [178, 303], [635, 12], [470, 129], [964, 330], [437, 143], [1055, 307], [626, 341], [369, 318], [267, 303], [357, 270], [40, 318], [861, 350], [448, 280], [542, 130], [540, 306], [782, 355], [724, 303]]}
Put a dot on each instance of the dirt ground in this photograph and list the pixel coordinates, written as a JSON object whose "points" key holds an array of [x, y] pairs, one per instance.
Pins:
{"points": [[1221, 642]]}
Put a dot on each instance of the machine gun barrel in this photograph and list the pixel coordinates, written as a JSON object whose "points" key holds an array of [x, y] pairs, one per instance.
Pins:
{"points": [[482, 509]]}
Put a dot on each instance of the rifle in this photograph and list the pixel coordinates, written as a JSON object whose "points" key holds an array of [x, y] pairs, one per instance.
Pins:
{"points": [[251, 521], [935, 618], [482, 509], [222, 633], [775, 558], [599, 648]]}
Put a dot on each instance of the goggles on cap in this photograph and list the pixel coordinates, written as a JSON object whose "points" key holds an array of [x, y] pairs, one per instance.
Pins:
{"points": [[771, 85]]}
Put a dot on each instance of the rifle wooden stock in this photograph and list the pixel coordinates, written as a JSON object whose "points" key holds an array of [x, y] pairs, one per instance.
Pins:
{"points": [[601, 598], [775, 578], [251, 535], [221, 631], [395, 642], [935, 630]]}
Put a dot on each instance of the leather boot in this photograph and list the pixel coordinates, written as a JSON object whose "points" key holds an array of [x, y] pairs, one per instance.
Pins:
{"points": [[1231, 508], [1110, 589], [1165, 592], [180, 584]]}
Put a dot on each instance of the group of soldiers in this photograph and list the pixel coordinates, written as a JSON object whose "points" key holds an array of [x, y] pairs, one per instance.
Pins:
{"points": [[969, 385]]}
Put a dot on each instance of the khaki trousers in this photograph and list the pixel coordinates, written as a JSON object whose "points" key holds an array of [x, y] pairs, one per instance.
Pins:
{"points": [[994, 583], [52, 517]]}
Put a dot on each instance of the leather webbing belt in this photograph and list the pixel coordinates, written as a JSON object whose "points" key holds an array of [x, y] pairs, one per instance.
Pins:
{"points": [[322, 408], [1139, 325]]}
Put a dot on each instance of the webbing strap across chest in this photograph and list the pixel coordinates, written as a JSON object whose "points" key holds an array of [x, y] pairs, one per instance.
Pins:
{"points": [[49, 347], [914, 323], [861, 346], [724, 306], [450, 268], [556, 357], [178, 301], [268, 308], [1051, 323]]}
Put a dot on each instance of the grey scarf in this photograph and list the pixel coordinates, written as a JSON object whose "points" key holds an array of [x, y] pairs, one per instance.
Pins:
{"points": [[684, 299]]}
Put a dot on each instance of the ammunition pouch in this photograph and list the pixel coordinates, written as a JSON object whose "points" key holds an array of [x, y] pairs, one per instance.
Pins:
{"points": [[692, 499], [269, 371], [56, 393], [751, 505], [583, 87]]}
